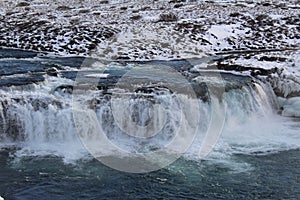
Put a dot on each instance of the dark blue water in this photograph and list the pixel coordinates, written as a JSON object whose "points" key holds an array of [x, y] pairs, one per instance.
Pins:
{"points": [[275, 176]]}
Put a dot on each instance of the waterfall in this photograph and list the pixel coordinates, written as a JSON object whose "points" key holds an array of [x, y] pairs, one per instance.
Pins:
{"points": [[43, 123], [40, 118]]}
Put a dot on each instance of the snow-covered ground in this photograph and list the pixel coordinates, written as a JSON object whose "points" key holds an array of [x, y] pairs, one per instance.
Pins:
{"points": [[141, 30]]}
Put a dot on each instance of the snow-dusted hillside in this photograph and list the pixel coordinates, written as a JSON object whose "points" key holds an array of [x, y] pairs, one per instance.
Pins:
{"points": [[147, 29]]}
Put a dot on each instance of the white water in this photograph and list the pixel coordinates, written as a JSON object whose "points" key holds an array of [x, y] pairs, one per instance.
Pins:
{"points": [[291, 107], [252, 124]]}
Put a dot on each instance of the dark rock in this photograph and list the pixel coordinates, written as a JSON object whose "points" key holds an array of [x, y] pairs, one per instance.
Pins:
{"points": [[178, 5], [266, 4], [64, 88], [84, 11], [62, 8], [261, 17], [236, 14], [52, 71], [272, 59], [136, 17], [23, 4], [97, 13], [168, 17], [104, 2], [145, 8]]}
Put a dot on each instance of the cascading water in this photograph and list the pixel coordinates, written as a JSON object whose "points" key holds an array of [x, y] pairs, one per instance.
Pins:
{"points": [[253, 125], [40, 122]]}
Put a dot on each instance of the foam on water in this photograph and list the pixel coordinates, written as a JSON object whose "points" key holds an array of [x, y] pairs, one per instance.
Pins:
{"points": [[252, 126], [291, 107], [261, 131]]}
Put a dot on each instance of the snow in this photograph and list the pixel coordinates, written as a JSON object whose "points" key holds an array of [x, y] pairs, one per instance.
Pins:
{"points": [[97, 75], [223, 31], [202, 28]]}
